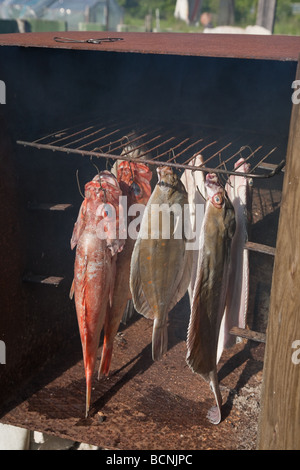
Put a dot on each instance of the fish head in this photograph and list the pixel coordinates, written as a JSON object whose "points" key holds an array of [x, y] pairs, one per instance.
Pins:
{"points": [[92, 191], [242, 166], [107, 177], [137, 176], [126, 172], [214, 190], [166, 176], [107, 187], [141, 185]]}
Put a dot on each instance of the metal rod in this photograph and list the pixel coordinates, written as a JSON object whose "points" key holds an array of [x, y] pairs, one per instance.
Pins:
{"points": [[148, 161], [187, 148]]}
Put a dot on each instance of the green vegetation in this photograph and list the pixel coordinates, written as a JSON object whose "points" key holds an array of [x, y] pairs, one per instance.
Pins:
{"points": [[245, 14]]}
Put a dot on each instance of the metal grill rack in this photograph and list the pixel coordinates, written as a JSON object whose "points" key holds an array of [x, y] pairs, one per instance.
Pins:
{"points": [[176, 145]]}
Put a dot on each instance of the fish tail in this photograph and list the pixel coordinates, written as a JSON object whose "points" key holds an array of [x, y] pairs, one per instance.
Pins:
{"points": [[159, 340], [88, 393], [214, 415], [105, 359], [71, 295], [128, 312]]}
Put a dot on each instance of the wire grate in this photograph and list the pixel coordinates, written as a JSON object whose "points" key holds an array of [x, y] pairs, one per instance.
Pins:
{"points": [[176, 145]]}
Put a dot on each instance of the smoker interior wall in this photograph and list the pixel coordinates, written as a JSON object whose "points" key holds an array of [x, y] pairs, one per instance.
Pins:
{"points": [[48, 90]]}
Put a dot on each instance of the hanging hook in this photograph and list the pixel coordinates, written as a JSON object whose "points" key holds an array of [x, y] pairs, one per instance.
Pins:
{"points": [[78, 184], [100, 182], [221, 176], [107, 164], [131, 171]]}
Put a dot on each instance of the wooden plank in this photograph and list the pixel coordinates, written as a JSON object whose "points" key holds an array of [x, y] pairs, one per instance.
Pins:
{"points": [[260, 248], [279, 424], [33, 206], [248, 334], [39, 279], [269, 166]]}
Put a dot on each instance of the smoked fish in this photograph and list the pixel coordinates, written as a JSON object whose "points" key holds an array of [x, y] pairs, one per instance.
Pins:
{"points": [[160, 264], [134, 180], [210, 289], [97, 239], [194, 183], [239, 190]]}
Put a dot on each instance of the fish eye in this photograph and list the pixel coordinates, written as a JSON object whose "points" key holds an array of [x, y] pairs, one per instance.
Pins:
{"points": [[218, 199], [136, 189], [107, 211]]}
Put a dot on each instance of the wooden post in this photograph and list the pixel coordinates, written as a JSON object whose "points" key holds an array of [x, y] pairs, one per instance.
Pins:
{"points": [[195, 7], [107, 15], [226, 12], [266, 14], [279, 424]]}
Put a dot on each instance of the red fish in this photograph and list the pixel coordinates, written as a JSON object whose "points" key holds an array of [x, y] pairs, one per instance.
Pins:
{"points": [[134, 180], [137, 176], [94, 270]]}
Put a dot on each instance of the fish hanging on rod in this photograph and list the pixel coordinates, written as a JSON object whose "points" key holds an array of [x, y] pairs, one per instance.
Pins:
{"points": [[98, 240], [134, 180], [160, 264], [239, 190], [135, 148], [210, 288], [194, 183]]}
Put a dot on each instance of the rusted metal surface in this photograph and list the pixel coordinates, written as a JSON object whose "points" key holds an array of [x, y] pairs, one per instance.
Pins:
{"points": [[145, 405], [194, 44]]}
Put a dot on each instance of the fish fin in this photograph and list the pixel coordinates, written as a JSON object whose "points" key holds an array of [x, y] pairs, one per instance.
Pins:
{"points": [[196, 342], [106, 356], [71, 294], [159, 340], [79, 225], [245, 291], [214, 415], [112, 280], [88, 392], [222, 335], [184, 282], [128, 312], [139, 299]]}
